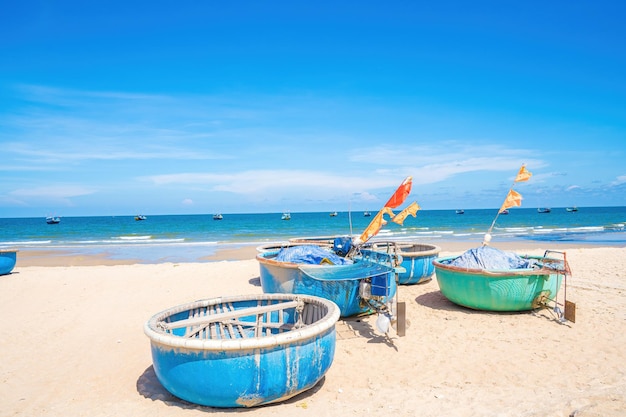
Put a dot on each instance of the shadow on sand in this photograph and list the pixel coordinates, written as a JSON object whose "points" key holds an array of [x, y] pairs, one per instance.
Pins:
{"points": [[148, 386]]}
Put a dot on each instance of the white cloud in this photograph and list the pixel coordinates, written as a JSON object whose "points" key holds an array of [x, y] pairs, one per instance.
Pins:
{"points": [[619, 180]]}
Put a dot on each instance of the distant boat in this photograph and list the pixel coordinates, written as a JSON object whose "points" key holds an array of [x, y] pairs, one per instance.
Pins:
{"points": [[53, 220], [460, 211], [572, 209], [366, 214], [505, 211], [218, 216], [140, 217], [286, 216], [543, 210], [333, 214]]}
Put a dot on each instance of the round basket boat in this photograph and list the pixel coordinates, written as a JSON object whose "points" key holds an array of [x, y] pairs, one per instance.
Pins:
{"points": [[243, 351], [417, 260], [499, 290], [8, 259]]}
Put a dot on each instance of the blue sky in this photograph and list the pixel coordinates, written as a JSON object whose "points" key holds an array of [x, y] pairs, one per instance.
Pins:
{"points": [[165, 107]]}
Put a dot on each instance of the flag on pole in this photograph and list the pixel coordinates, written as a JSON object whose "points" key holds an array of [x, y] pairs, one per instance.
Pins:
{"points": [[401, 193], [375, 225], [523, 174], [411, 209], [379, 221], [513, 199]]}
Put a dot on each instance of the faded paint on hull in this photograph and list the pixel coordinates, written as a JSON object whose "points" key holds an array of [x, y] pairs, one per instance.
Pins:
{"points": [[244, 378], [257, 353]]}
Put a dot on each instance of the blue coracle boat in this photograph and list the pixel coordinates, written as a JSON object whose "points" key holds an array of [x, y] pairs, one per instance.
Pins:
{"points": [[364, 283], [488, 279], [243, 351], [8, 258], [417, 260]]}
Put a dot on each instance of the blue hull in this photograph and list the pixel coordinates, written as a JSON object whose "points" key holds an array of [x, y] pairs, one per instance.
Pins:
{"points": [[417, 261], [338, 283], [244, 371], [7, 261]]}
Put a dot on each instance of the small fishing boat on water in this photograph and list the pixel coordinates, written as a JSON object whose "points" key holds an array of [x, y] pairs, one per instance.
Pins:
{"points": [[366, 214], [218, 216], [571, 209], [543, 210], [333, 214], [286, 216], [140, 217], [461, 211], [8, 258], [243, 351], [53, 220]]}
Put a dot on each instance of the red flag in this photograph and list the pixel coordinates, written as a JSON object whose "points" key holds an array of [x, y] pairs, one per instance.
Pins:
{"points": [[523, 174], [401, 193]]}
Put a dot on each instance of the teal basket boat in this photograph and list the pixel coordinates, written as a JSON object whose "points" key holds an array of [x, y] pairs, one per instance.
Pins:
{"points": [[516, 289]]}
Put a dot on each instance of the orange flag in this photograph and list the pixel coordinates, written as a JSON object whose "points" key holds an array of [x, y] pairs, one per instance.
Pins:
{"points": [[376, 224], [401, 193], [523, 174], [513, 199], [411, 209]]}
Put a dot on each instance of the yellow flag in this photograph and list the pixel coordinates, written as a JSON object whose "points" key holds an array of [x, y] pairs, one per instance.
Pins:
{"points": [[376, 224], [513, 199], [411, 209], [523, 174]]}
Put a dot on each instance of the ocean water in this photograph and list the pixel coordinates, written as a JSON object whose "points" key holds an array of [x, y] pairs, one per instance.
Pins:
{"points": [[179, 238]]}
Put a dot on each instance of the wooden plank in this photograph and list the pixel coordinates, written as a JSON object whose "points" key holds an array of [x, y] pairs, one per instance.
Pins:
{"points": [[570, 311], [401, 319], [197, 321]]}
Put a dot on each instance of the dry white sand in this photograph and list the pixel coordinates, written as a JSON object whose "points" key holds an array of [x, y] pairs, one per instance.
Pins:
{"points": [[72, 344]]}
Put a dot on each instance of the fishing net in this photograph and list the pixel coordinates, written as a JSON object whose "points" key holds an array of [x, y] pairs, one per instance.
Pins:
{"points": [[486, 257], [310, 254]]}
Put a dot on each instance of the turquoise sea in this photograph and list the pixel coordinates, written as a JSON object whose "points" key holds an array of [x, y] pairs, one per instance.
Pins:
{"points": [[181, 238]]}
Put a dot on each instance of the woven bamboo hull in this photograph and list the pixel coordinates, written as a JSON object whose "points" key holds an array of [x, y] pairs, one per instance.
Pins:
{"points": [[511, 290], [7, 261], [342, 288], [417, 261], [240, 370]]}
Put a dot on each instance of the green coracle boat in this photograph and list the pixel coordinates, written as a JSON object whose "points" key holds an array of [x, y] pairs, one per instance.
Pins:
{"points": [[516, 289]]}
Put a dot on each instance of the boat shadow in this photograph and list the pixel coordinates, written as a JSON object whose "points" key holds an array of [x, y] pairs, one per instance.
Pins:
{"points": [[360, 327], [149, 387], [437, 301]]}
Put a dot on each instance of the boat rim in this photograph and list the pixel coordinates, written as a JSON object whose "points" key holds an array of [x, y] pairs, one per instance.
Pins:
{"points": [[502, 273], [301, 334]]}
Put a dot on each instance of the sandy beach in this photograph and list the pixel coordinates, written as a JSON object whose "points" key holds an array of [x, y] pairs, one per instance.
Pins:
{"points": [[73, 344]]}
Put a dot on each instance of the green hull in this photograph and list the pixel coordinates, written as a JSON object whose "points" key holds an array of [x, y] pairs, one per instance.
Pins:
{"points": [[510, 290]]}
